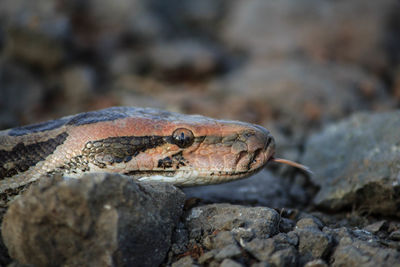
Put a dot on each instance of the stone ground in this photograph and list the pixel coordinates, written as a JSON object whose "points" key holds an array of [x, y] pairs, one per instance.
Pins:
{"points": [[323, 77]]}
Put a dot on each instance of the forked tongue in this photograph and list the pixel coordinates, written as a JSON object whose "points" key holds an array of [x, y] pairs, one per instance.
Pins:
{"points": [[294, 164]]}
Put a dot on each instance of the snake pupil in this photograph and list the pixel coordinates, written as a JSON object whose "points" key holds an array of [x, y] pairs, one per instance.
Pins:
{"points": [[182, 137]]}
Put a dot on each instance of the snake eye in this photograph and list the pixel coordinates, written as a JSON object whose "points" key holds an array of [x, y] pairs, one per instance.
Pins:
{"points": [[182, 137]]}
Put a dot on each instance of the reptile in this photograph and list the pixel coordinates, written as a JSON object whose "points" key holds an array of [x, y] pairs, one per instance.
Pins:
{"points": [[144, 143]]}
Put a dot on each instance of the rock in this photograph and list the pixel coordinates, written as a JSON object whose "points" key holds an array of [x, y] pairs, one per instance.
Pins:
{"points": [[262, 221], [184, 262], [35, 34], [78, 85], [355, 163], [261, 249], [268, 29], [395, 235], [288, 89], [284, 257], [375, 227], [278, 251], [183, 59], [351, 251], [100, 219], [316, 263], [230, 263], [20, 96], [309, 223], [207, 256], [229, 251], [222, 239], [313, 243], [262, 189]]}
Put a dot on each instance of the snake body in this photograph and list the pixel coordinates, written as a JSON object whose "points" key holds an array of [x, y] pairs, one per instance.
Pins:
{"points": [[146, 144]]}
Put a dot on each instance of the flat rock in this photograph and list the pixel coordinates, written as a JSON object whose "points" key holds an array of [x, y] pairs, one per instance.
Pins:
{"points": [[100, 220], [356, 164]]}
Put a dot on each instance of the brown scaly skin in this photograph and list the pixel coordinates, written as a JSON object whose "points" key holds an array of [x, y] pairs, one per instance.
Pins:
{"points": [[147, 144]]}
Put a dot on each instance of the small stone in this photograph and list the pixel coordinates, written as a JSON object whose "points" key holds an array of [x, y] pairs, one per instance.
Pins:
{"points": [[309, 223], [313, 243], [207, 256], [260, 248], [184, 262], [242, 234], [395, 235], [230, 263], [261, 221], [286, 225], [316, 263], [228, 252], [291, 238], [223, 238], [375, 227], [284, 257]]}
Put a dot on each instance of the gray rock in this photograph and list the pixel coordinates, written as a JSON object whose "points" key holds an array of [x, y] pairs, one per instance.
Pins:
{"points": [[360, 248], [183, 58], [229, 251], [230, 263], [34, 33], [207, 256], [353, 252], [355, 163], [262, 221], [284, 257], [222, 239], [278, 251], [269, 29], [316, 263], [375, 227], [395, 235], [184, 262], [289, 88], [313, 243], [100, 219], [21, 94], [263, 189], [309, 223], [262, 249]]}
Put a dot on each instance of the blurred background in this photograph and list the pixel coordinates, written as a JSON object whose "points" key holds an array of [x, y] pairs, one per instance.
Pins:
{"points": [[289, 65]]}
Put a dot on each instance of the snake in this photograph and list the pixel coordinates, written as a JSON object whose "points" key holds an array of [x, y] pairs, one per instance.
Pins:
{"points": [[146, 144]]}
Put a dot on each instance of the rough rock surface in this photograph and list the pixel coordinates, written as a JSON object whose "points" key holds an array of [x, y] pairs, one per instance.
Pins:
{"points": [[356, 164], [215, 236], [261, 221], [101, 219]]}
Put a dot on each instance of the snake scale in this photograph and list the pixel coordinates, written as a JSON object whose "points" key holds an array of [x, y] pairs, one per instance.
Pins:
{"points": [[144, 143]]}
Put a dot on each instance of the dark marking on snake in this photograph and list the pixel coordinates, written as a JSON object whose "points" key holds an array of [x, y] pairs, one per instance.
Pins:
{"points": [[109, 114], [175, 161], [22, 157], [119, 149], [36, 128]]}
